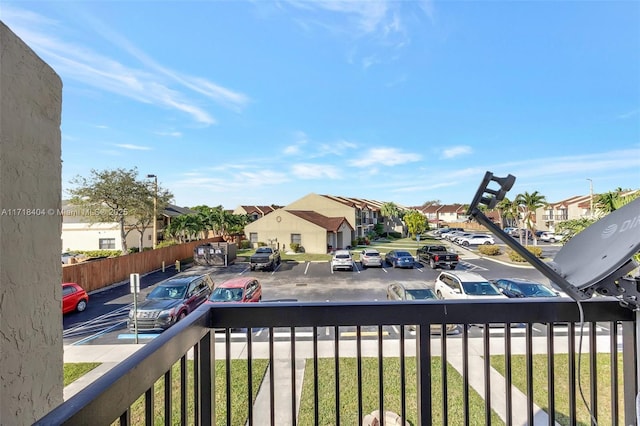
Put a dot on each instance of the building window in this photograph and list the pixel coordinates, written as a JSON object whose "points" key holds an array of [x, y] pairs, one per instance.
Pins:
{"points": [[253, 237], [107, 243], [296, 238]]}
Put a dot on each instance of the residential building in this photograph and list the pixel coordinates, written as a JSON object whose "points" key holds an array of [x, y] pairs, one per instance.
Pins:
{"points": [[255, 212], [320, 223], [79, 233]]}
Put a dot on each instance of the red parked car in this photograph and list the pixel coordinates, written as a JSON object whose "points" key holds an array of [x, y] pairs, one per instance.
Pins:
{"points": [[241, 289], [74, 298]]}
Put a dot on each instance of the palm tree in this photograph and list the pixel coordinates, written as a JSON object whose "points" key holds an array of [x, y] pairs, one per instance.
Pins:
{"points": [[390, 211], [530, 203]]}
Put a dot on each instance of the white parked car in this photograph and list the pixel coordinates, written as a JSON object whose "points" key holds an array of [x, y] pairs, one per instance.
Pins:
{"points": [[465, 285], [342, 260], [458, 238], [550, 237], [475, 239]]}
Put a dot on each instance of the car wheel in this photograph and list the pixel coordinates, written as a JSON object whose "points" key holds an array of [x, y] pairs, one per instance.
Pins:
{"points": [[452, 266], [552, 240], [81, 306], [432, 263], [465, 243], [181, 316], [393, 264], [486, 243], [439, 294], [364, 266]]}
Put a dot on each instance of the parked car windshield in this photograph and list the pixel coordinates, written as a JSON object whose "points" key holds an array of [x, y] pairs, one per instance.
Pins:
{"points": [[420, 294], [226, 295], [535, 290], [480, 289], [403, 254], [263, 250], [167, 292]]}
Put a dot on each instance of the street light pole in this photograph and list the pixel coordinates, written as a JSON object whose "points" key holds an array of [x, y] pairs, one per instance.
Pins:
{"points": [[155, 210], [590, 197]]}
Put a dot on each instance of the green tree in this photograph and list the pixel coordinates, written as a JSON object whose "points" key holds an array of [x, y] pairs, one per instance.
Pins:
{"points": [[416, 222], [390, 212], [530, 203], [113, 196]]}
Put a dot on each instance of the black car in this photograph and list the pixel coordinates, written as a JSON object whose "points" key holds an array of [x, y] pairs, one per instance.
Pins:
{"points": [[170, 301], [518, 287]]}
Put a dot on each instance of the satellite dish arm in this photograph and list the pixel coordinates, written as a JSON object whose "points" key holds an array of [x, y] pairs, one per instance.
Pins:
{"points": [[494, 197]]}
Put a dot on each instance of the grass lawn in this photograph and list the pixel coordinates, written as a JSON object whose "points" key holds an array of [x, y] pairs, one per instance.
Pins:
{"points": [[391, 379], [238, 394], [72, 371], [561, 385]]}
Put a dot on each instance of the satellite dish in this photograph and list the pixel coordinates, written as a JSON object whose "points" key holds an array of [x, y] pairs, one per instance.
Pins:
{"points": [[597, 259], [602, 249]]}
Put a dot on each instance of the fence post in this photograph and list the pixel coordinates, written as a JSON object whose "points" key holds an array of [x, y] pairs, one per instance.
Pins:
{"points": [[177, 266]]}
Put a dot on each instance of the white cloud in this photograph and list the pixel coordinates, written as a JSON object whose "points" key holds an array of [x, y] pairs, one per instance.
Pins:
{"points": [[456, 151], [133, 147], [171, 134], [315, 171], [385, 157]]}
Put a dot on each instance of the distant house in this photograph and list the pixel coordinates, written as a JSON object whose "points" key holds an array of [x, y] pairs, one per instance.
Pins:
{"points": [[78, 233], [254, 212]]}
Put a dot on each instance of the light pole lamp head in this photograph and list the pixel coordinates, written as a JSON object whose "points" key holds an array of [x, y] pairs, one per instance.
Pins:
{"points": [[149, 176]]}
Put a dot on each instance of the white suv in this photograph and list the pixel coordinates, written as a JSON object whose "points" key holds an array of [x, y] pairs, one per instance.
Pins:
{"points": [[465, 285], [475, 239], [342, 260]]}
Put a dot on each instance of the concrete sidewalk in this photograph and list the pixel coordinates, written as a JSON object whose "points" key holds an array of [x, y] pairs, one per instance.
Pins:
{"points": [[110, 355]]}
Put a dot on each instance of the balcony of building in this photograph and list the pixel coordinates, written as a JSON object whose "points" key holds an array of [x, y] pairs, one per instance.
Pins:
{"points": [[281, 361]]}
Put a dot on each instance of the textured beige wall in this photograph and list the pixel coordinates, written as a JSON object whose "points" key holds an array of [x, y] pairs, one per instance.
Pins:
{"points": [[325, 206], [31, 354]]}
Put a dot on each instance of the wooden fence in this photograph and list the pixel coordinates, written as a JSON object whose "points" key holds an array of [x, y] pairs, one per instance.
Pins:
{"points": [[97, 274]]}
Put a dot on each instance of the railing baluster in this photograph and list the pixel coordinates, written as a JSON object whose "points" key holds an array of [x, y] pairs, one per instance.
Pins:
{"points": [[336, 358], [403, 379], [148, 407], [249, 377], [487, 376], [294, 408], [613, 351], [359, 367], [167, 397], [551, 400], [443, 369], [423, 373], [529, 371], [508, 375], [380, 376], [272, 379], [196, 384], [465, 374], [316, 409], [572, 373], [206, 379], [593, 369], [125, 418], [227, 372], [184, 380], [629, 368]]}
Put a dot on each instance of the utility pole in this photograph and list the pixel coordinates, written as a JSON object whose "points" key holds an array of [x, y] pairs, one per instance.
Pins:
{"points": [[590, 197], [155, 210]]}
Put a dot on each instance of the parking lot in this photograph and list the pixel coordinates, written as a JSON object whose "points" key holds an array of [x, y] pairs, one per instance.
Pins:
{"points": [[291, 281]]}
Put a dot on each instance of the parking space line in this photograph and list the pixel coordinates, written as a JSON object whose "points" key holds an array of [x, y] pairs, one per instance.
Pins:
{"points": [[306, 268], [363, 333]]}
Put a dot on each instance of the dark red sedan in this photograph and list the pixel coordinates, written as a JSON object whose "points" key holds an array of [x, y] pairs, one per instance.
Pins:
{"points": [[241, 289], [74, 298]]}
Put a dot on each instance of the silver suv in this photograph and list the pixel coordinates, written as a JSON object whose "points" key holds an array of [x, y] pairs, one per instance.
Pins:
{"points": [[342, 260]]}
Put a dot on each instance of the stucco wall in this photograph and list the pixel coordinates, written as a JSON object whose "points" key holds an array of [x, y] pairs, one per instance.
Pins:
{"points": [[31, 354], [86, 236]]}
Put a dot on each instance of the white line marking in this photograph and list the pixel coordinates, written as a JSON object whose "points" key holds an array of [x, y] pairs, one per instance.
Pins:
{"points": [[298, 334], [307, 268]]}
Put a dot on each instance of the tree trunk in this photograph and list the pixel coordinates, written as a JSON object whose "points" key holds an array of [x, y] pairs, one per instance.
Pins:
{"points": [[123, 237]]}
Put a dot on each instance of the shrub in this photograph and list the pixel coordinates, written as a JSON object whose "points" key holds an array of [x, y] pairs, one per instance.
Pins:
{"points": [[536, 251], [261, 244], [166, 243], [394, 234], [294, 247], [133, 250], [244, 244], [355, 242], [489, 250], [100, 253]]}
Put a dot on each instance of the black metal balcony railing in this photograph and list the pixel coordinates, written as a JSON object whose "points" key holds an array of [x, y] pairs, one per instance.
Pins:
{"points": [[426, 353]]}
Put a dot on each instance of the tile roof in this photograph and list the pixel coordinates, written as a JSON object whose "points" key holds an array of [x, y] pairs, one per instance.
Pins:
{"points": [[329, 223]]}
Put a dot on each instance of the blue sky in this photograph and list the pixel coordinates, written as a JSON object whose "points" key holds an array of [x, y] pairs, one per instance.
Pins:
{"points": [[254, 103]]}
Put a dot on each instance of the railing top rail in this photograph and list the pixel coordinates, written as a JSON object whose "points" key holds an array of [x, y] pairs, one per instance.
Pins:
{"points": [[295, 314], [122, 385]]}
